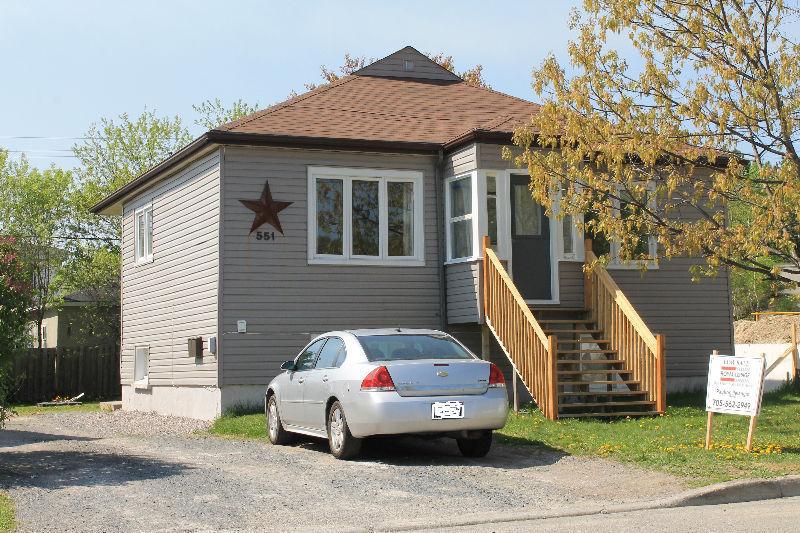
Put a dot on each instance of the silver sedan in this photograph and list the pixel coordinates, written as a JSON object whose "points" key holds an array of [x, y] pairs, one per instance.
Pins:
{"points": [[348, 385]]}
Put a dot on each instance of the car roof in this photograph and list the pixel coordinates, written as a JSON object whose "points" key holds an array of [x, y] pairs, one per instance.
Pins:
{"points": [[393, 331]]}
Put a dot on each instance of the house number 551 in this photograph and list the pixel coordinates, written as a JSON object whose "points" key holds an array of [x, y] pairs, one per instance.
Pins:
{"points": [[265, 235]]}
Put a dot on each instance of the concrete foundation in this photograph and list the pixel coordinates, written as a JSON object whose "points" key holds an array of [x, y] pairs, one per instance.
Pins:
{"points": [[203, 403]]}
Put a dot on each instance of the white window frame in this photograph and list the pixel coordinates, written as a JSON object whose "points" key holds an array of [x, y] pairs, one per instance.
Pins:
{"points": [[475, 217], [383, 177], [141, 253], [615, 262], [577, 254], [143, 382]]}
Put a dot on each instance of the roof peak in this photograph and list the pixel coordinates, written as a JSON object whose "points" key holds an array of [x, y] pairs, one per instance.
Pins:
{"points": [[408, 62]]}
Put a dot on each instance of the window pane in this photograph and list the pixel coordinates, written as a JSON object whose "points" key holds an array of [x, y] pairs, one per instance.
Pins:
{"points": [[629, 209], [568, 234], [461, 197], [330, 223], [366, 237], [328, 355], [600, 243], [491, 207], [140, 230], [401, 218], [148, 241], [527, 212], [461, 239], [307, 359], [141, 362], [410, 347]]}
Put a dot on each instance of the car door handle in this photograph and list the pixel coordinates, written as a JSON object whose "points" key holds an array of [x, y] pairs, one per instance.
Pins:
{"points": [[301, 380], [324, 378]]}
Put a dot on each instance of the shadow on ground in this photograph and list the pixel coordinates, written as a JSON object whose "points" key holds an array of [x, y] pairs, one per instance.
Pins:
{"points": [[18, 437], [417, 451], [61, 469]]}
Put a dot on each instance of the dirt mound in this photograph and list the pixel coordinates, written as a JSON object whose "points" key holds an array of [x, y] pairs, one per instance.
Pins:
{"points": [[768, 330]]}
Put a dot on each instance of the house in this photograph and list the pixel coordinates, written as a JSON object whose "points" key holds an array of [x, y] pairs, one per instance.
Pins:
{"points": [[363, 204], [79, 320]]}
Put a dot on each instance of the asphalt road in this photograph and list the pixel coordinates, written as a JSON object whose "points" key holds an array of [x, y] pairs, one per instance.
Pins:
{"points": [[137, 472], [781, 515]]}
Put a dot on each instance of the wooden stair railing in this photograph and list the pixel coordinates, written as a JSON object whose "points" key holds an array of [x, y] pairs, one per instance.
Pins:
{"points": [[532, 353], [642, 351]]}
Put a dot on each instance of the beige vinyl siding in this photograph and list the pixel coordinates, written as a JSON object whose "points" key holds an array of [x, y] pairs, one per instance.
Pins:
{"points": [[174, 297], [461, 161], [285, 300], [463, 283]]}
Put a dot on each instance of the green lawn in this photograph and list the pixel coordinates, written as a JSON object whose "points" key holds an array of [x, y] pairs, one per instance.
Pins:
{"points": [[27, 410], [7, 522], [674, 442]]}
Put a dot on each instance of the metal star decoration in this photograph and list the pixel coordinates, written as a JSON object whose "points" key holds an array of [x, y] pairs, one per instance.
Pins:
{"points": [[266, 210]]}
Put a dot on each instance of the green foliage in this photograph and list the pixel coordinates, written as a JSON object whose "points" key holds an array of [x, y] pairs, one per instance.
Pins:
{"points": [[236, 425], [674, 443], [15, 299], [213, 113], [36, 209]]}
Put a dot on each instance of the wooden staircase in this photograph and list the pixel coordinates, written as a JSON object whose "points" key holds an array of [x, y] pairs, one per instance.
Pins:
{"points": [[599, 360]]}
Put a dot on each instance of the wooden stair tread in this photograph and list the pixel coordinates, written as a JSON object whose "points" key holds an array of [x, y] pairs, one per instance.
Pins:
{"points": [[593, 371], [589, 361], [566, 320], [602, 382], [534, 307], [583, 341], [549, 331], [608, 404], [607, 415], [605, 393], [588, 350]]}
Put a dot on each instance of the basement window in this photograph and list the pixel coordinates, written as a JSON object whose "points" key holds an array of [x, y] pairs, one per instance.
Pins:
{"points": [[365, 216], [141, 366]]}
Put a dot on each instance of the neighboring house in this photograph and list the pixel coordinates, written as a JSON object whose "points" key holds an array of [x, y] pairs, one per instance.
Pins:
{"points": [[362, 204], [74, 323]]}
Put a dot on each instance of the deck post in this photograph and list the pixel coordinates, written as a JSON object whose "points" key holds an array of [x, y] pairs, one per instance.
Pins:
{"points": [[661, 374], [515, 387], [486, 242], [795, 378], [486, 347], [587, 277], [552, 381]]}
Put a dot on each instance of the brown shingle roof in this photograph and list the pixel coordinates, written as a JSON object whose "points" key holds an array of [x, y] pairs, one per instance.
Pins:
{"points": [[389, 109]]}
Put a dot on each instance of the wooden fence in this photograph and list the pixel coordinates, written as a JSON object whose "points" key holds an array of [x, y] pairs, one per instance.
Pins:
{"points": [[41, 375]]}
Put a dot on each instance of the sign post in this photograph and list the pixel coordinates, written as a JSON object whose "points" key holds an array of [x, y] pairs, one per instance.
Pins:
{"points": [[735, 386]]}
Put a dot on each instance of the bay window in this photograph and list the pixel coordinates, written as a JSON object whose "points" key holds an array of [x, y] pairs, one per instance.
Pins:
{"points": [[364, 216], [459, 206]]}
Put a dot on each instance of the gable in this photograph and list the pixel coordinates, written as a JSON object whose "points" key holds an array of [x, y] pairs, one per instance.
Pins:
{"points": [[408, 63]]}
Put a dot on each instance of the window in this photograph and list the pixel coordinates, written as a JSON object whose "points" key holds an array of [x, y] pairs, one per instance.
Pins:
{"points": [[143, 221], [331, 353], [141, 364], [459, 212], [44, 336], [308, 357], [491, 208], [645, 249], [410, 347], [362, 216]]}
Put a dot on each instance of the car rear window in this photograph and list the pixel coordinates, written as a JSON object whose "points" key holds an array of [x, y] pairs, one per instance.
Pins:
{"points": [[409, 347]]}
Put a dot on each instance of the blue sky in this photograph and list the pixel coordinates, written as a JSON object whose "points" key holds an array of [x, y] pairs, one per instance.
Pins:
{"points": [[67, 64]]}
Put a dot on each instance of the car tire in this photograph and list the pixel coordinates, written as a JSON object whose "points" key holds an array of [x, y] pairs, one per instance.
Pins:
{"points": [[275, 431], [342, 443], [475, 447]]}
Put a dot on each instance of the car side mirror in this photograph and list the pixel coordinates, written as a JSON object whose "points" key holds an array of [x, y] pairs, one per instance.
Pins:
{"points": [[287, 365]]}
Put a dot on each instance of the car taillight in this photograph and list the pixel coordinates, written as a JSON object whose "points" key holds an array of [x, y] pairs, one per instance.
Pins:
{"points": [[378, 380], [496, 378]]}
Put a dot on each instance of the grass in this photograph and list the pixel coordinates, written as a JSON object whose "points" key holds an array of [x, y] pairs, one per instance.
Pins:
{"points": [[244, 421], [674, 442], [7, 521], [28, 410]]}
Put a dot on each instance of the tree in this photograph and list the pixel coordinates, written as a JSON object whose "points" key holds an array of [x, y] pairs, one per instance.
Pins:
{"points": [[213, 113], [14, 303], [35, 209], [711, 116]]}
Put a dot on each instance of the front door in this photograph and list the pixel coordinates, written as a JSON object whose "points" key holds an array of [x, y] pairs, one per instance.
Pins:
{"points": [[530, 242]]}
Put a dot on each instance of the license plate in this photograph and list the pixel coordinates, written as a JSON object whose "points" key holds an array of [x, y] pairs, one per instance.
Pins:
{"points": [[441, 410]]}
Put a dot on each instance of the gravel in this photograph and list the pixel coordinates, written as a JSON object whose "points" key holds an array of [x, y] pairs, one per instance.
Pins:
{"points": [[143, 472]]}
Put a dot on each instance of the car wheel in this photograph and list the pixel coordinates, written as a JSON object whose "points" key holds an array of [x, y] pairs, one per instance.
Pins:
{"points": [[475, 447], [275, 431], [342, 443]]}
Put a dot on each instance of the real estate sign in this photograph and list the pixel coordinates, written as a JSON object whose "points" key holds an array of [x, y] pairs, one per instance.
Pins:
{"points": [[735, 385]]}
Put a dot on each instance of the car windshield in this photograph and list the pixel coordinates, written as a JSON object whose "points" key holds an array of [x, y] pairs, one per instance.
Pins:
{"points": [[405, 347]]}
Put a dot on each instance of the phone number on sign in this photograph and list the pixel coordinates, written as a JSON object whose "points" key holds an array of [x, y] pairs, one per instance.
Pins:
{"points": [[731, 404]]}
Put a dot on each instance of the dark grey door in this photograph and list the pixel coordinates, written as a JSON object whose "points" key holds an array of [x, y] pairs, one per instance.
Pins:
{"points": [[530, 242]]}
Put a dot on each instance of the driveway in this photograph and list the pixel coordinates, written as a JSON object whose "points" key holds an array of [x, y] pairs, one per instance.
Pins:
{"points": [[137, 471]]}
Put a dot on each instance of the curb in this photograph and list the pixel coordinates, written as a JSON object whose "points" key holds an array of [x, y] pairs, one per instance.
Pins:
{"points": [[723, 493]]}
